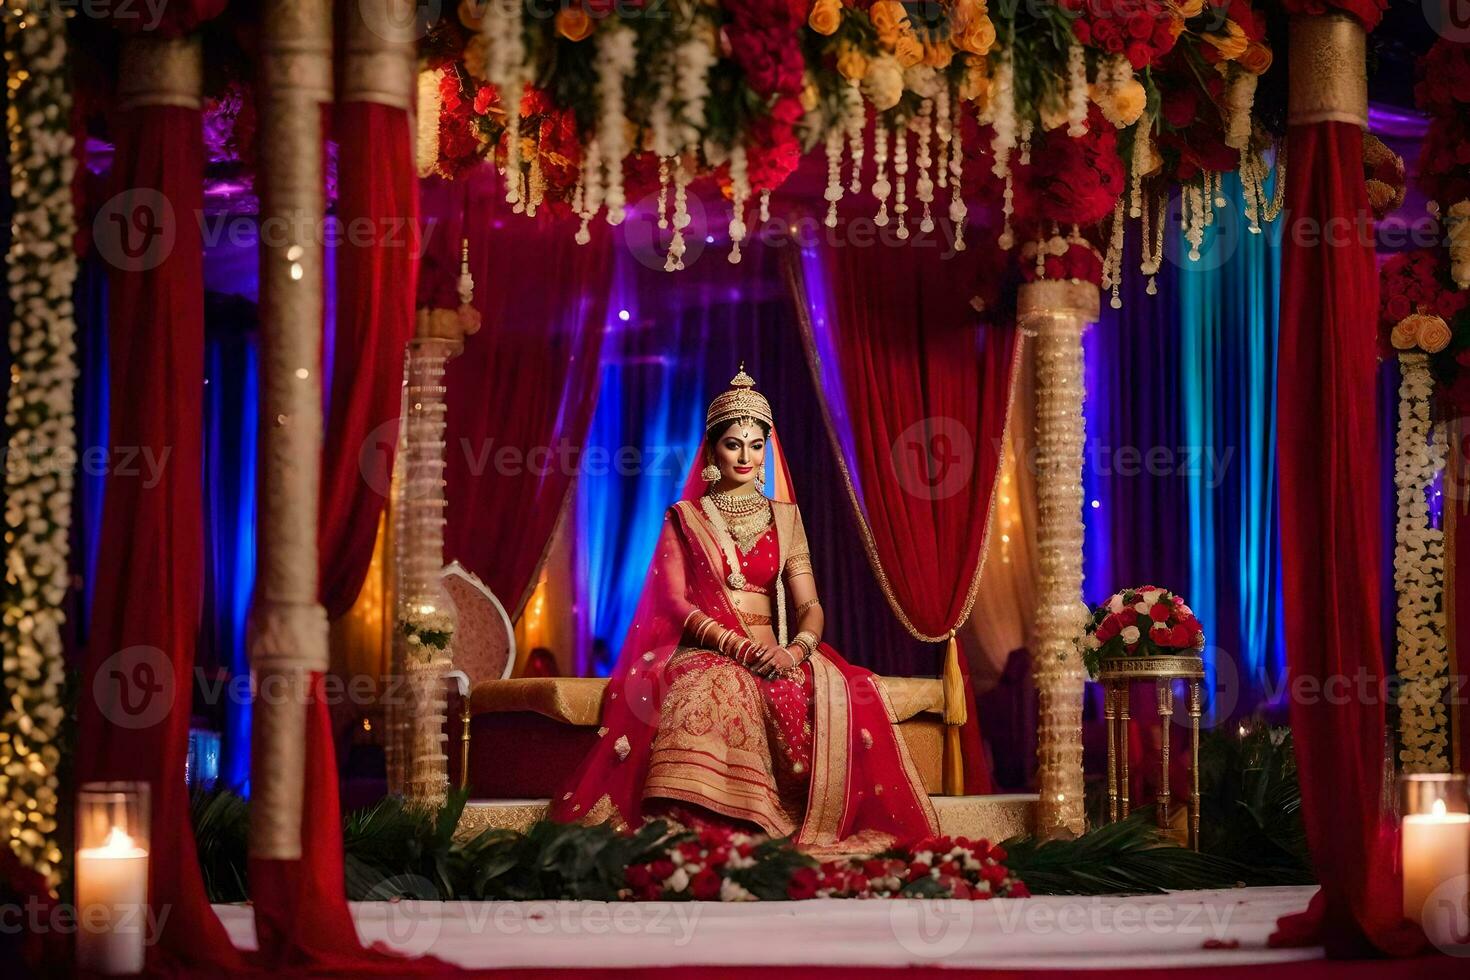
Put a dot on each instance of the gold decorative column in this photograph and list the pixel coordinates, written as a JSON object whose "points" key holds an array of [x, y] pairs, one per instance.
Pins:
{"points": [[1056, 313], [288, 629], [1328, 70]]}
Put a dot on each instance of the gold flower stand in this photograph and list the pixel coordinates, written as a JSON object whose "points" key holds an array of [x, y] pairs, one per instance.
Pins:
{"points": [[1117, 675]]}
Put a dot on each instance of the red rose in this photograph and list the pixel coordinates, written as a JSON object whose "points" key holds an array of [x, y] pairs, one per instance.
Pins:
{"points": [[993, 873], [1397, 308], [705, 886], [690, 850], [803, 884], [917, 870], [637, 876], [1083, 31], [1054, 267], [1140, 55], [998, 853], [1018, 889], [661, 869], [1140, 26], [1110, 628], [1159, 612], [1179, 106]]}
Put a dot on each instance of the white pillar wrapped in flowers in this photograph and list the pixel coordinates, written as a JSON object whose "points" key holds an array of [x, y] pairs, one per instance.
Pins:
{"points": [[288, 634], [1056, 313], [425, 613]]}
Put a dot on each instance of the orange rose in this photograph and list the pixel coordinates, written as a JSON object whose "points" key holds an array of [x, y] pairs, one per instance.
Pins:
{"points": [[1189, 8], [975, 83], [889, 18], [908, 50], [826, 17], [938, 54], [1231, 43], [1256, 59], [964, 13], [573, 23], [1432, 333], [979, 37], [852, 64]]}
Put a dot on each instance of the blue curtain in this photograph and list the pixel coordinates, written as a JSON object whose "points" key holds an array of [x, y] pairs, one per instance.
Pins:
{"points": [[231, 430], [1180, 476], [1228, 317], [647, 423]]}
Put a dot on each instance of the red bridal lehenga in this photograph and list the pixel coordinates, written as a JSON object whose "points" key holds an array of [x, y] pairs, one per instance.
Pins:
{"points": [[689, 732]]}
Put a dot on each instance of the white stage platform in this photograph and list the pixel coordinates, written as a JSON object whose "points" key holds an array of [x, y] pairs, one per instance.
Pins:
{"points": [[1182, 929]]}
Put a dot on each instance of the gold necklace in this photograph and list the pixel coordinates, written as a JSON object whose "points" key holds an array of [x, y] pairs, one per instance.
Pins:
{"points": [[744, 522], [737, 504]]}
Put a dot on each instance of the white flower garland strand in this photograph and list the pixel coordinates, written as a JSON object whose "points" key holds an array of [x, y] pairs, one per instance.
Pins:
{"points": [[42, 427], [1418, 577], [506, 69], [617, 55]]}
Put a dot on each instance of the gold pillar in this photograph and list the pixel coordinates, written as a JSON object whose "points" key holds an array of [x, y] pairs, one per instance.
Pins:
{"points": [[1056, 313], [288, 640]]}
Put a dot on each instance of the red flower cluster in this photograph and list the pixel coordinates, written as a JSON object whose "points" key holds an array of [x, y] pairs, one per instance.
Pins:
{"points": [[695, 869], [1143, 31], [1071, 180], [710, 867], [1443, 91], [459, 146], [939, 866], [764, 38], [1414, 282], [1079, 261], [1147, 619], [1192, 138]]}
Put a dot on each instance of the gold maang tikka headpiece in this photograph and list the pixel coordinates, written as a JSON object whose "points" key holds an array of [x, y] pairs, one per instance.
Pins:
{"points": [[741, 402]]}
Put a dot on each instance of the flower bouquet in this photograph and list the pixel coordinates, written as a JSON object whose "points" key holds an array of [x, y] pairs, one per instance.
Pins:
{"points": [[428, 631], [1141, 622]]}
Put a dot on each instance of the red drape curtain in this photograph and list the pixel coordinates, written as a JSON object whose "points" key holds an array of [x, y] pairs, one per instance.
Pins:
{"points": [[134, 715], [915, 388], [1327, 439], [520, 397], [377, 205]]}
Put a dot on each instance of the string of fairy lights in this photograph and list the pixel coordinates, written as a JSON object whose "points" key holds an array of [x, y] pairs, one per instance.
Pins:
{"points": [[41, 426]]}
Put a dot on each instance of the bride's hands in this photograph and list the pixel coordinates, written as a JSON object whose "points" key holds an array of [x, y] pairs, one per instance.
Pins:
{"points": [[771, 661]]}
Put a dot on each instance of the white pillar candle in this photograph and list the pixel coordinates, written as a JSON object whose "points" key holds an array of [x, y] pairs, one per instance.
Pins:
{"points": [[1436, 849], [112, 905]]}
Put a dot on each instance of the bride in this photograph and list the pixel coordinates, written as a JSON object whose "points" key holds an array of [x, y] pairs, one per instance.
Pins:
{"points": [[714, 714]]}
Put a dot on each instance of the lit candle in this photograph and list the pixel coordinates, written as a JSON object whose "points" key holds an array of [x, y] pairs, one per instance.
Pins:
{"points": [[112, 901], [1436, 847]]}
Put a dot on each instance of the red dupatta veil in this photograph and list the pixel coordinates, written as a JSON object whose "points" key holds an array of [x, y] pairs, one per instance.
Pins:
{"points": [[865, 792]]}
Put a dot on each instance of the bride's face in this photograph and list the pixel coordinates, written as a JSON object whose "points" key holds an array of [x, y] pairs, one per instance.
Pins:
{"points": [[737, 453]]}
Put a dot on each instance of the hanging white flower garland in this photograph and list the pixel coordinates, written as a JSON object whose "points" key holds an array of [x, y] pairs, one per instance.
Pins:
{"points": [[42, 427], [1418, 577]]}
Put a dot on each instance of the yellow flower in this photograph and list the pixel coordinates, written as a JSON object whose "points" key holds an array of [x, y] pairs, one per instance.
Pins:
{"points": [[908, 50], [810, 96], [1256, 59], [826, 16], [889, 19], [964, 13], [1121, 102], [573, 23], [1189, 8], [978, 38], [1232, 43], [883, 84], [938, 54], [851, 62]]}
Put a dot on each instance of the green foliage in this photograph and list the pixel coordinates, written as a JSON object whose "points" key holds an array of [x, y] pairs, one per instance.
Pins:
{"points": [[1251, 834]]}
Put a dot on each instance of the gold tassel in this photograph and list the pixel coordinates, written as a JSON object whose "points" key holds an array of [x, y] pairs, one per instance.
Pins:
{"points": [[956, 713]]}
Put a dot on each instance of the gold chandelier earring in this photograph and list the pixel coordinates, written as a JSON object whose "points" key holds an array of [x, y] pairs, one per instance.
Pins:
{"points": [[710, 473], [760, 476]]}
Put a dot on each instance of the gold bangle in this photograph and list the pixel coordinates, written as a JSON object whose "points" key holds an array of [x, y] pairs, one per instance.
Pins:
{"points": [[807, 605]]}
